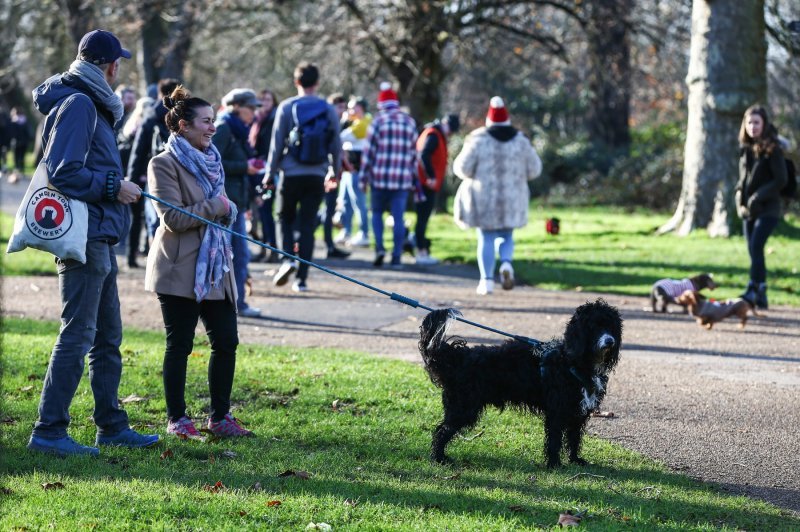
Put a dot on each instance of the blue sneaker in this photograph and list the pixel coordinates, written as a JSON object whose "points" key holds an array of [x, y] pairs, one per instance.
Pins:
{"points": [[128, 438], [65, 446]]}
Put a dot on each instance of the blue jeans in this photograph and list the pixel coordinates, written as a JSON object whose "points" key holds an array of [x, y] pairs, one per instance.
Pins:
{"points": [[395, 202], [241, 257], [353, 196], [756, 233], [90, 323], [489, 244]]}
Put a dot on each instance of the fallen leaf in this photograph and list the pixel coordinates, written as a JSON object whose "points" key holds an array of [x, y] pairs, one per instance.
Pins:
{"points": [[299, 474], [273, 504], [602, 413], [8, 420], [352, 503], [216, 488], [211, 459], [335, 404], [229, 454], [35, 288], [516, 508], [167, 454], [52, 486], [256, 487], [132, 398], [6, 491], [319, 526], [242, 513], [579, 289], [196, 354], [454, 476], [26, 388], [567, 519]]}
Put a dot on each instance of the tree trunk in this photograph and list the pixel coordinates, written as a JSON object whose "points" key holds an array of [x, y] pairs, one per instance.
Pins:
{"points": [[80, 18], [727, 74], [166, 45], [610, 77]]}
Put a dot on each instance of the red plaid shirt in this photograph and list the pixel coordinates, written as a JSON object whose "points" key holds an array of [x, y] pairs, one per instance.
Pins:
{"points": [[390, 158]]}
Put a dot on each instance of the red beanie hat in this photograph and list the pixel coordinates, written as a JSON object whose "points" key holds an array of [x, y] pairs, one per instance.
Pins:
{"points": [[498, 114], [386, 94]]}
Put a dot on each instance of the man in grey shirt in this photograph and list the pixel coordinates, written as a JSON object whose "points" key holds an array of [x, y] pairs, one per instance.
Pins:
{"points": [[305, 143]]}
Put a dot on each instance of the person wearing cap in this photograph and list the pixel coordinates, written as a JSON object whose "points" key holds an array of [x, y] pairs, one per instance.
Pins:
{"points": [[495, 164], [238, 161], [389, 167], [432, 149], [302, 185], [83, 163]]}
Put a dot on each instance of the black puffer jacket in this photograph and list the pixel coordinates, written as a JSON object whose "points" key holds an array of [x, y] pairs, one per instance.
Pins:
{"points": [[235, 153], [760, 182]]}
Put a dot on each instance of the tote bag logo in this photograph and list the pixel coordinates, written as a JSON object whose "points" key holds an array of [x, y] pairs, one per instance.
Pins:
{"points": [[48, 215]]}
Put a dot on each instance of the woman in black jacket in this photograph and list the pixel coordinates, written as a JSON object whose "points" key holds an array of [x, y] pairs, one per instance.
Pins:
{"points": [[762, 175]]}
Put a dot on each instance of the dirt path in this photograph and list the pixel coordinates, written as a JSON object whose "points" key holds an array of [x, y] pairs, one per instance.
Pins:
{"points": [[718, 405]]}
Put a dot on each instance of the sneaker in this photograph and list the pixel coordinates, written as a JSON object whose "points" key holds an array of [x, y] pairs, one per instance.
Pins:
{"points": [[342, 237], [288, 267], [227, 427], [184, 428], [336, 253], [379, 256], [507, 275], [486, 286], [360, 240], [423, 259], [128, 438], [250, 312], [299, 286], [65, 446], [396, 264]]}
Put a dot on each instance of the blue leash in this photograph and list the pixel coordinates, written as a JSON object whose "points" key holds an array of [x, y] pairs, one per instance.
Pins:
{"points": [[391, 295]]}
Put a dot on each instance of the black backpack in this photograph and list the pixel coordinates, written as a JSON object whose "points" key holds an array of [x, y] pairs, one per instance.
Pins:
{"points": [[309, 139], [790, 190]]}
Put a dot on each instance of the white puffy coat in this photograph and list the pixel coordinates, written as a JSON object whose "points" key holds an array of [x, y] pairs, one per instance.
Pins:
{"points": [[494, 193]]}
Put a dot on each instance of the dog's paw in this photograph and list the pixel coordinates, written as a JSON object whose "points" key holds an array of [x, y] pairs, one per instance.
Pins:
{"points": [[442, 460], [578, 461], [553, 464]]}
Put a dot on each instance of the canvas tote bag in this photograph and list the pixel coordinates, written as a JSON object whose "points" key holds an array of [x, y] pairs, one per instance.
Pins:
{"points": [[50, 221]]}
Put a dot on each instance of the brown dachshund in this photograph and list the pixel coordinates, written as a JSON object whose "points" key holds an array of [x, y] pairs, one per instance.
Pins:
{"points": [[709, 312]]}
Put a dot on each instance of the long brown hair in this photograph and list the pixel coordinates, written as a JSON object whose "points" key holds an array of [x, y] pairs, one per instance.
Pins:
{"points": [[768, 140]]}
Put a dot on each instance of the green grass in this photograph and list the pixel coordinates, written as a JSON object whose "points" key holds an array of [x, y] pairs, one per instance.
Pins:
{"points": [[616, 251], [366, 457], [26, 262]]}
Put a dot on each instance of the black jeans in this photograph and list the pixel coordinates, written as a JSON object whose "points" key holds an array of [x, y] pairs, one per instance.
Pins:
{"points": [[756, 233], [424, 210], [305, 192], [137, 220], [180, 319]]}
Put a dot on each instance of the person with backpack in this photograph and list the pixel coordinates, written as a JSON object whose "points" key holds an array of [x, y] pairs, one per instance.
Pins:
{"points": [[149, 141], [81, 155], [238, 161], [305, 144], [762, 176]]}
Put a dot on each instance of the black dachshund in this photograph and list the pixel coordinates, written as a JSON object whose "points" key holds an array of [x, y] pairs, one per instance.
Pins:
{"points": [[563, 380]]}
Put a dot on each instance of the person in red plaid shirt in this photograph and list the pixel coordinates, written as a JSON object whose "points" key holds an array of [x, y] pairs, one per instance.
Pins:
{"points": [[389, 166]]}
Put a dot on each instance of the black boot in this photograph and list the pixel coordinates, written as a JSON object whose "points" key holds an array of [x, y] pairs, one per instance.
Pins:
{"points": [[750, 294], [761, 296]]}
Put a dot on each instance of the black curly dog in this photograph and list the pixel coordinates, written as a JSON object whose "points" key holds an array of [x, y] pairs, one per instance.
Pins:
{"points": [[563, 380]]}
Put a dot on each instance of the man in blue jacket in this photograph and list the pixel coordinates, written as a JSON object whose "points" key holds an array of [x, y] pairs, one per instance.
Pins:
{"points": [[83, 162]]}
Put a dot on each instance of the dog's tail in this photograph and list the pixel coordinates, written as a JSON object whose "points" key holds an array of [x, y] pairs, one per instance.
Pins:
{"points": [[433, 344]]}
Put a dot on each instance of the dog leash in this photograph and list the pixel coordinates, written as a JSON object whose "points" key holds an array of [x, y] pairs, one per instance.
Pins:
{"points": [[394, 296]]}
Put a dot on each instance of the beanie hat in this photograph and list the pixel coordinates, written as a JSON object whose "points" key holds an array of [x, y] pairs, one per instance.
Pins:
{"points": [[498, 114], [386, 95]]}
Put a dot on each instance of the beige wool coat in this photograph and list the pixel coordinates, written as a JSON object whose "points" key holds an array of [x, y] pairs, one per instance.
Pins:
{"points": [[494, 192], [172, 259]]}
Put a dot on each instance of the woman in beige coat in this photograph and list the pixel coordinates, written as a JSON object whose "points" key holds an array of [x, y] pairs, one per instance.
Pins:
{"points": [[496, 163], [189, 265]]}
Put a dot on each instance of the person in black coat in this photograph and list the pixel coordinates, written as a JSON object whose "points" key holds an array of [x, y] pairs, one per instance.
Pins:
{"points": [[762, 175]]}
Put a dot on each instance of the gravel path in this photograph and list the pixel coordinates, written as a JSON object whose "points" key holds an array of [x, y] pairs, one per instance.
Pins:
{"points": [[718, 405]]}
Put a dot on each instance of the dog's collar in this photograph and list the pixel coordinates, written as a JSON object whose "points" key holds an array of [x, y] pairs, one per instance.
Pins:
{"points": [[584, 382]]}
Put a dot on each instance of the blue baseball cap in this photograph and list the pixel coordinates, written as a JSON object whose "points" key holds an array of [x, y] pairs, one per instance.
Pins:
{"points": [[101, 47]]}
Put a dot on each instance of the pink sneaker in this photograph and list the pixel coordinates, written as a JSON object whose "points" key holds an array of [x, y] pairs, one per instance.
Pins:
{"points": [[228, 427], [184, 429]]}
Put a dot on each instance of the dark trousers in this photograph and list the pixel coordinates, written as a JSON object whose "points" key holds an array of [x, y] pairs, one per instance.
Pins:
{"points": [[756, 233], [424, 210], [180, 320], [299, 198], [330, 210], [19, 156], [137, 219], [267, 221]]}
